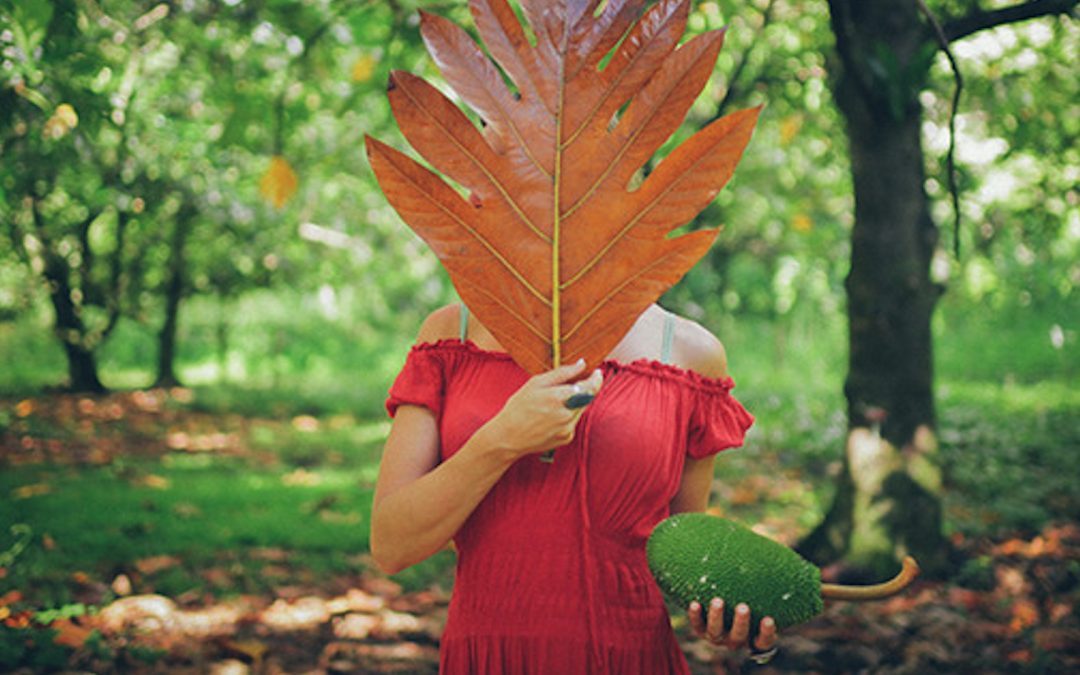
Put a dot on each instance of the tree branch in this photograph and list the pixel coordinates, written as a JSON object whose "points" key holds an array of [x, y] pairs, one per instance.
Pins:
{"points": [[954, 189], [978, 20]]}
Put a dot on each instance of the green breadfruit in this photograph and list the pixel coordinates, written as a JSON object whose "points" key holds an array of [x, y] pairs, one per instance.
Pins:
{"points": [[695, 556]]}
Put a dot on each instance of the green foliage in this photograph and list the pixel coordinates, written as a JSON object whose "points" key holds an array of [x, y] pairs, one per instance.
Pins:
{"points": [[32, 648], [1017, 155], [71, 611], [977, 573]]}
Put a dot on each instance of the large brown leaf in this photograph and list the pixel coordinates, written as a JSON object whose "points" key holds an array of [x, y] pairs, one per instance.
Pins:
{"points": [[552, 250]]}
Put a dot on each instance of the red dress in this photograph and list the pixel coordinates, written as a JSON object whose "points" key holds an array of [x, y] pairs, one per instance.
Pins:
{"points": [[551, 573]]}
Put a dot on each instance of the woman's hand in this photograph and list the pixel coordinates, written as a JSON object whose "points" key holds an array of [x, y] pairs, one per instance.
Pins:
{"points": [[536, 419], [710, 625]]}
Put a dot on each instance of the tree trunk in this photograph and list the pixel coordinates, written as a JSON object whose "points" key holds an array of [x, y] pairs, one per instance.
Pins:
{"points": [[174, 293], [223, 341], [69, 328], [888, 497]]}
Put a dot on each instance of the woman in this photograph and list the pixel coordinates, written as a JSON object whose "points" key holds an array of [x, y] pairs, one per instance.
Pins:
{"points": [[551, 572]]}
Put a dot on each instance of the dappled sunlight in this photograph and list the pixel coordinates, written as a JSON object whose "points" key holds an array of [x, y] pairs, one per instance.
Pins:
{"points": [[373, 629], [1015, 397]]}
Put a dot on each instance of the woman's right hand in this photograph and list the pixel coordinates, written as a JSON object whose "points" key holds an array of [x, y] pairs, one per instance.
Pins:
{"points": [[535, 418]]}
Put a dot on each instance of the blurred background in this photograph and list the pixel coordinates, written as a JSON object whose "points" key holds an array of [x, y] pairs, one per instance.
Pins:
{"points": [[204, 297]]}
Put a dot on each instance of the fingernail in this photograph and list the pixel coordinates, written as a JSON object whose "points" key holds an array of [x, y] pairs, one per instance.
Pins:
{"points": [[742, 609], [694, 606], [717, 603], [768, 622], [580, 362]]}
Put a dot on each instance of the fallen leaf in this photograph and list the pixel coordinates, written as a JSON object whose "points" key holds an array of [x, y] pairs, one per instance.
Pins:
{"points": [[1020, 656], [302, 614], [396, 625], [121, 585], [219, 620], [152, 481], [301, 477], [355, 600], [354, 626], [31, 490], [347, 518], [217, 576], [275, 571], [1010, 580], [11, 597], [382, 586], [252, 650], [150, 613], [305, 423], [156, 563], [229, 667], [269, 553], [1024, 615], [965, 598], [186, 510], [182, 394], [1057, 639], [19, 619], [70, 634]]}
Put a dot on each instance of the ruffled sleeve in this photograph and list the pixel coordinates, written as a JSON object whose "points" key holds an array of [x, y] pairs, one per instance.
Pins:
{"points": [[421, 380], [717, 421]]}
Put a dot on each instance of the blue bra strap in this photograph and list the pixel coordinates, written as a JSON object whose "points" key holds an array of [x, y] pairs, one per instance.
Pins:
{"points": [[669, 336], [463, 322]]}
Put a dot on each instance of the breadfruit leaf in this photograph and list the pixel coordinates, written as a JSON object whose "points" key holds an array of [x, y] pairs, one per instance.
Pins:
{"points": [[552, 249]]}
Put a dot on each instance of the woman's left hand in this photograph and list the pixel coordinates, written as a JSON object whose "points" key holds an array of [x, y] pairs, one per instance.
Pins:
{"points": [[710, 625]]}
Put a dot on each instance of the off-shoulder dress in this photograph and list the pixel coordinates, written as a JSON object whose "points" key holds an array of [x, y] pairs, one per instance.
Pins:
{"points": [[551, 573]]}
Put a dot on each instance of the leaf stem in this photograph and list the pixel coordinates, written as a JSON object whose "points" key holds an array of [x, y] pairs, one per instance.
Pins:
{"points": [[556, 215], [907, 574]]}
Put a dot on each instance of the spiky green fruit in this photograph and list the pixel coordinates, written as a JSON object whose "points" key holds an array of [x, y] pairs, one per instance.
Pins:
{"points": [[695, 556]]}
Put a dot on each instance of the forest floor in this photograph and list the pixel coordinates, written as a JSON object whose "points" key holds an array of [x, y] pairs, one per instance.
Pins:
{"points": [[151, 535]]}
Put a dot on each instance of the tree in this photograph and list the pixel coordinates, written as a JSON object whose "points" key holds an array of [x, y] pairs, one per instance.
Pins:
{"points": [[888, 498], [60, 223], [131, 165]]}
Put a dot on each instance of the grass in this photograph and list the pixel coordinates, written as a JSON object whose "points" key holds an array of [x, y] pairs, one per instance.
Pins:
{"points": [[303, 486]]}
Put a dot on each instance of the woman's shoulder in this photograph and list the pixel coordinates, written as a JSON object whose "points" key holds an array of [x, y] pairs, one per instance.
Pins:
{"points": [[441, 324], [696, 348], [693, 347]]}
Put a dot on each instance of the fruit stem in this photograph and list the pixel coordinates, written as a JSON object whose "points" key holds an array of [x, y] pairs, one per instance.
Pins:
{"points": [[908, 572]]}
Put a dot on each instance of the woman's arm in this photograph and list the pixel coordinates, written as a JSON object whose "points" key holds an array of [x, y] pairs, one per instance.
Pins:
{"points": [[421, 503], [697, 349], [701, 351], [697, 477]]}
